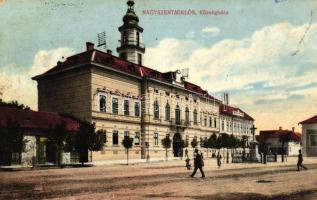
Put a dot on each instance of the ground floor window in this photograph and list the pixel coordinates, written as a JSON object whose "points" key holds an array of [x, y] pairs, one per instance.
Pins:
{"points": [[313, 140], [156, 139], [137, 138], [115, 137]]}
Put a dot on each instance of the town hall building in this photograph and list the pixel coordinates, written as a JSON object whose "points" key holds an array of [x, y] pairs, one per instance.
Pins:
{"points": [[126, 98]]}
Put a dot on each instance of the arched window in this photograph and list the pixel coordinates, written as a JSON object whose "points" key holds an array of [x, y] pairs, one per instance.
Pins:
{"points": [[156, 109], [167, 112], [187, 116], [177, 115], [195, 116], [102, 103], [137, 109]]}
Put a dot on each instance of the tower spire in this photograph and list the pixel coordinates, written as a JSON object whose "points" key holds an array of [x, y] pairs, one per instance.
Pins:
{"points": [[131, 47]]}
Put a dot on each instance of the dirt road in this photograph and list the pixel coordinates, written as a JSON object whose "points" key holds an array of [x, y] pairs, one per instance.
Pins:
{"points": [[163, 181]]}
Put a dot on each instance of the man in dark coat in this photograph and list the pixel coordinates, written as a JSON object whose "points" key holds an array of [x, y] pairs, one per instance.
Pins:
{"points": [[300, 161], [198, 164]]}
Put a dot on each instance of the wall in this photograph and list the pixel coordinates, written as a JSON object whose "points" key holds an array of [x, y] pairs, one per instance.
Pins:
{"points": [[308, 129]]}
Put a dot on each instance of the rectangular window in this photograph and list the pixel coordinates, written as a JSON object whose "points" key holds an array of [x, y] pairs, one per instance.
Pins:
{"points": [[137, 109], [139, 59], [126, 133], [115, 137], [215, 122], [210, 121], [102, 103], [115, 105], [313, 140], [155, 139], [126, 107], [205, 121], [137, 138]]}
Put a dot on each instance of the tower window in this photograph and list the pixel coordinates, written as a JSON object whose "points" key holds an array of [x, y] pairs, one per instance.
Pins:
{"points": [[138, 38], [139, 59], [124, 37]]}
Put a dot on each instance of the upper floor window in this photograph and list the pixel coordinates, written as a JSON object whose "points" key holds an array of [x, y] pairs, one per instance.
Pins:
{"points": [[222, 125], [102, 103], [156, 109], [126, 107], [177, 115], [115, 105], [167, 112], [205, 121], [137, 109], [215, 122], [210, 121], [155, 139], [187, 115], [195, 116]]}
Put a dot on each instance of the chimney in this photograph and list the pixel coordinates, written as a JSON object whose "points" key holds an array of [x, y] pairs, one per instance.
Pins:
{"points": [[293, 129], [280, 128], [109, 51], [59, 63], [89, 46]]}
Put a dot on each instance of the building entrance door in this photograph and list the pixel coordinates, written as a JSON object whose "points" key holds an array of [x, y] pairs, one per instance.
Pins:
{"points": [[177, 145]]}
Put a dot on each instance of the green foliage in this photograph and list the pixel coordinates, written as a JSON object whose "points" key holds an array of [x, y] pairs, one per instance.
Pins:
{"points": [[11, 141], [87, 139], [212, 140], [166, 142], [194, 142], [14, 104], [127, 142]]}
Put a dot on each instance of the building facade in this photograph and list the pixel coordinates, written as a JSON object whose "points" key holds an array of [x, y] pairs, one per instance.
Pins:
{"points": [[279, 141], [35, 127], [125, 98], [234, 121], [309, 136]]}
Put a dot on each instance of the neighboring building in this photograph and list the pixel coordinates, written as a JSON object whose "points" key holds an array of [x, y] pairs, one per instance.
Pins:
{"points": [[123, 97], [235, 121], [273, 139], [35, 127], [309, 137]]}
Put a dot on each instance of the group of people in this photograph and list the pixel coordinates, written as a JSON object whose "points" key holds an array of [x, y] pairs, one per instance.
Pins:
{"points": [[199, 162]]}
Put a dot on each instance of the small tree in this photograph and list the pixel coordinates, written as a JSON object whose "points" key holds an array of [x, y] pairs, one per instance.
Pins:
{"points": [[87, 139], [127, 142], [194, 143], [57, 139], [284, 139], [206, 144], [166, 142]]}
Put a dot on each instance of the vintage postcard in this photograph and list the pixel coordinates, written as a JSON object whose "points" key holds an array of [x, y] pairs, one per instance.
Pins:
{"points": [[158, 99]]}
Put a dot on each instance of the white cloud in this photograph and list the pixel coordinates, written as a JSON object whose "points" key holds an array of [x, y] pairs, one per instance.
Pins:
{"points": [[265, 56], [19, 86], [213, 31]]}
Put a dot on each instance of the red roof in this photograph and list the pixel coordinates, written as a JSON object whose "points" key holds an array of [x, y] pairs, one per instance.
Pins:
{"points": [[229, 110], [311, 120], [94, 56], [29, 119], [266, 134]]}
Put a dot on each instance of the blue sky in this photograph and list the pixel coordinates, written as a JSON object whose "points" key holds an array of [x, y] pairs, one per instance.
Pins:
{"points": [[247, 52]]}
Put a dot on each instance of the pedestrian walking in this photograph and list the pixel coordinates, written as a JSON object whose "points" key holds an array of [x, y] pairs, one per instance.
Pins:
{"points": [[186, 153], [188, 165], [300, 161], [198, 164], [219, 160]]}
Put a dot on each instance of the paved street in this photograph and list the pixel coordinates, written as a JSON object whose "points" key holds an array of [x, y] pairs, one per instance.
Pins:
{"points": [[164, 181]]}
